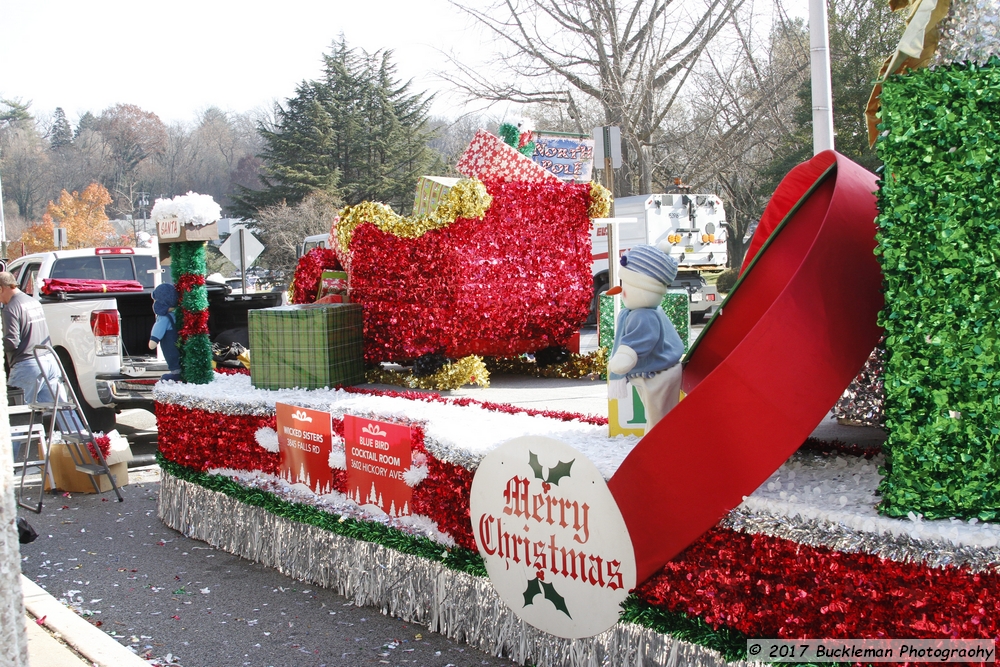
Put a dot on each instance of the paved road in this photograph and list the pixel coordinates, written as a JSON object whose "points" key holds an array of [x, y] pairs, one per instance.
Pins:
{"points": [[166, 595]]}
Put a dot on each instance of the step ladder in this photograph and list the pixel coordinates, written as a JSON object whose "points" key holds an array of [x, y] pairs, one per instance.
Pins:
{"points": [[63, 414]]}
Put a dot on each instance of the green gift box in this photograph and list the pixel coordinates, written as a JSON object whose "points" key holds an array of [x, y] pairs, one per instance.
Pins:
{"points": [[306, 346]]}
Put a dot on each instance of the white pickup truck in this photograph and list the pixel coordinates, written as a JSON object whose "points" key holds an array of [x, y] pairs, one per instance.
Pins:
{"points": [[102, 339]]}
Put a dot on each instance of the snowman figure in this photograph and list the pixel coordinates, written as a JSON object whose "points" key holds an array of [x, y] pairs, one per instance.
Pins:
{"points": [[164, 333], [647, 349]]}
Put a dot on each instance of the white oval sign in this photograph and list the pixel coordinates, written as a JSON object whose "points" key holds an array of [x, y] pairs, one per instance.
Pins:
{"points": [[556, 547]]}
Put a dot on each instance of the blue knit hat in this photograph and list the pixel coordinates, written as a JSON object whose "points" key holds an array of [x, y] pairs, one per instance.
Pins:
{"points": [[650, 262], [164, 298]]}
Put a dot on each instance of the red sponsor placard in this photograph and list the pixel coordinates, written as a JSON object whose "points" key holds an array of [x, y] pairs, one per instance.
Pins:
{"points": [[305, 437], [378, 453]]}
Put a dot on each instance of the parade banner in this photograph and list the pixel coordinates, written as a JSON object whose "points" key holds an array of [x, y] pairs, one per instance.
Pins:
{"points": [[378, 455], [305, 438]]}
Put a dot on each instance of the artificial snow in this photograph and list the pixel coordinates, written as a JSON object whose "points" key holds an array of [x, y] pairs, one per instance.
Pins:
{"points": [[835, 489]]}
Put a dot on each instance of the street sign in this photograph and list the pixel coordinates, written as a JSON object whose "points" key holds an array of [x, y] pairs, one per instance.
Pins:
{"points": [[608, 143], [231, 248]]}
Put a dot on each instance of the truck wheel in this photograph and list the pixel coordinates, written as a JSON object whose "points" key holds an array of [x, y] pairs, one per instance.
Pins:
{"points": [[550, 356], [100, 419]]}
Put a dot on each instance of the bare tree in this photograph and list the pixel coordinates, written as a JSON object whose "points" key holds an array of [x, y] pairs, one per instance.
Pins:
{"points": [[284, 227], [451, 137], [24, 163], [131, 136], [745, 115], [631, 57]]}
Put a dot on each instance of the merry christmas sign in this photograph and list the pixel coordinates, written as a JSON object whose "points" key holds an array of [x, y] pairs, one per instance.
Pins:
{"points": [[304, 439], [555, 544], [378, 455]]}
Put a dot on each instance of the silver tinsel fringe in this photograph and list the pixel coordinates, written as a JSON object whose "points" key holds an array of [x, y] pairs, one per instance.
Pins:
{"points": [[457, 605], [863, 402], [901, 548], [970, 32]]}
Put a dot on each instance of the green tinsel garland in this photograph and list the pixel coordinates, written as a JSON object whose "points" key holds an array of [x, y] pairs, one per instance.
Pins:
{"points": [[511, 136], [730, 643], [939, 240], [188, 258], [674, 304]]}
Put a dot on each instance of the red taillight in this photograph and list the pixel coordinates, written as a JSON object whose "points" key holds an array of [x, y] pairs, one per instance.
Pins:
{"points": [[114, 251], [105, 322], [709, 297]]}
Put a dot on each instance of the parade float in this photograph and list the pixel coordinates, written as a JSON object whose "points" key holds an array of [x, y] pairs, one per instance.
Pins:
{"points": [[535, 535]]}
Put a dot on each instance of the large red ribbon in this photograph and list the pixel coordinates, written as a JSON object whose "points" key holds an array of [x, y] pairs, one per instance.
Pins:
{"points": [[785, 344]]}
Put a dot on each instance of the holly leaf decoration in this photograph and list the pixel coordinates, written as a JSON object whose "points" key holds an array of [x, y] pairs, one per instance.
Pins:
{"points": [[533, 589], [557, 472], [536, 467], [552, 596], [536, 586]]}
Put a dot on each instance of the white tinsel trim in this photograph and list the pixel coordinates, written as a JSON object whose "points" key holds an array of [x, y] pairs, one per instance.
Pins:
{"points": [[267, 438], [337, 459], [190, 209], [415, 475], [336, 503]]}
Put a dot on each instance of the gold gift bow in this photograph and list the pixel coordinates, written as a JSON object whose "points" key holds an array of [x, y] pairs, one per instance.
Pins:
{"points": [[915, 49]]}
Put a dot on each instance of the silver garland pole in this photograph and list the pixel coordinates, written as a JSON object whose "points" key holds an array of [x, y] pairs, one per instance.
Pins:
{"points": [[13, 641]]}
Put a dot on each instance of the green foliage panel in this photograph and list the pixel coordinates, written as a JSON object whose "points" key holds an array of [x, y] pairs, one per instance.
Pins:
{"points": [[939, 245], [674, 304]]}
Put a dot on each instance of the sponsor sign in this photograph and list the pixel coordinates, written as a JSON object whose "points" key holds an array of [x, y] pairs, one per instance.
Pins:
{"points": [[555, 544], [378, 454], [305, 438], [571, 158]]}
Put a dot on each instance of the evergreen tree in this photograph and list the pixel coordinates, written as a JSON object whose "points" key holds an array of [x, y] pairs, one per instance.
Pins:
{"points": [[61, 132], [88, 121], [298, 154], [356, 134], [16, 111], [862, 34]]}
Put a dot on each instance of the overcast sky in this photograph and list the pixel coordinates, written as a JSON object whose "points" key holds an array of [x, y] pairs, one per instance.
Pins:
{"points": [[178, 58], [181, 57]]}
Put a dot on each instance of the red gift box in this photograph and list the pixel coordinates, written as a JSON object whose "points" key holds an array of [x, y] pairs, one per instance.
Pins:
{"points": [[488, 158]]}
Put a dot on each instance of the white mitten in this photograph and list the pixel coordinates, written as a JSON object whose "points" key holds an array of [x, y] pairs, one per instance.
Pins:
{"points": [[623, 360]]}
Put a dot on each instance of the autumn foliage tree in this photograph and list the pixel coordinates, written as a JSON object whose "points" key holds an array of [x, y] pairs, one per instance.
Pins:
{"points": [[83, 216]]}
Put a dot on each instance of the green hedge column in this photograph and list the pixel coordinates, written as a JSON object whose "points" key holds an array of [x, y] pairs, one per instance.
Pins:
{"points": [[939, 244], [187, 267]]}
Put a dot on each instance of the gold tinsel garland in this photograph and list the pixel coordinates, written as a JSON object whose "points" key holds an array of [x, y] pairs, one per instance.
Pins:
{"points": [[466, 199], [600, 201], [467, 370], [593, 364]]}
